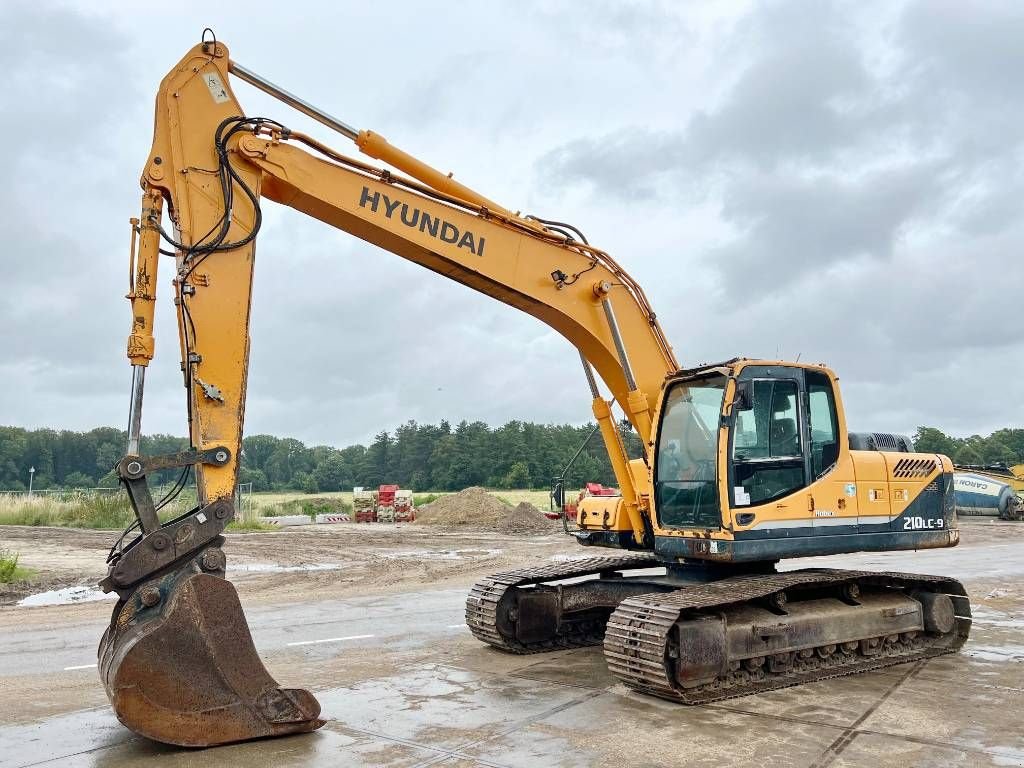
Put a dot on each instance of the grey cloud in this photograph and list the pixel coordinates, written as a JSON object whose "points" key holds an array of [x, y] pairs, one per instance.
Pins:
{"points": [[791, 224], [835, 180], [962, 47], [870, 179]]}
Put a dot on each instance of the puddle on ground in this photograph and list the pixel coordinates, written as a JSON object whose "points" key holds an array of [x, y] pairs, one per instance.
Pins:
{"points": [[1005, 653], [66, 596], [992, 618], [442, 554], [276, 568]]}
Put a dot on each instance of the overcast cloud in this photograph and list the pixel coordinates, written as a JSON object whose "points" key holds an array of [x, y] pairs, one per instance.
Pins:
{"points": [[839, 181]]}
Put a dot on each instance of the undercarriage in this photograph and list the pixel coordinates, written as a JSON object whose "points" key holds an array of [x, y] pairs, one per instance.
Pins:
{"points": [[691, 634]]}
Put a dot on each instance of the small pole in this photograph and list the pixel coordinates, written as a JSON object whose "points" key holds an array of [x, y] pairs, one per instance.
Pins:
{"points": [[31, 475]]}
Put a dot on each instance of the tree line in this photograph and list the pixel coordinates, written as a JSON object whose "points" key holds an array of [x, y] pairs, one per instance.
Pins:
{"points": [[422, 457], [1004, 446]]}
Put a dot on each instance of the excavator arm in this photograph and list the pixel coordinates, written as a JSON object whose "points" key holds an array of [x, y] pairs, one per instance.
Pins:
{"points": [[208, 171]]}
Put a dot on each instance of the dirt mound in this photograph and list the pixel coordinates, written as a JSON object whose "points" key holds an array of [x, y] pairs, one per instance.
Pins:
{"points": [[526, 519], [476, 508]]}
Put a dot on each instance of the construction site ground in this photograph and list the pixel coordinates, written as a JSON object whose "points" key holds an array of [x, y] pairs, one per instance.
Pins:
{"points": [[370, 618]]}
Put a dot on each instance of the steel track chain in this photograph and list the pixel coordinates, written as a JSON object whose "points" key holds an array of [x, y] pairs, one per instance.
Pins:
{"points": [[638, 639], [484, 600]]}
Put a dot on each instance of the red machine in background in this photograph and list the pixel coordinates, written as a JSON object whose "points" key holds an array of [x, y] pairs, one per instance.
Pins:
{"points": [[569, 509], [562, 509]]}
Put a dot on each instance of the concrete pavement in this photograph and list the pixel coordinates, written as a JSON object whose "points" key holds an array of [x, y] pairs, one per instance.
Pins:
{"points": [[406, 685]]}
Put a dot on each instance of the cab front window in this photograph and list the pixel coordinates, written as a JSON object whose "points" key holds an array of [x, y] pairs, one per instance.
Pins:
{"points": [[686, 461]]}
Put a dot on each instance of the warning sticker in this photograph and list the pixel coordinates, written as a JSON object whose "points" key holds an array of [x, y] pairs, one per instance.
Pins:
{"points": [[217, 89]]}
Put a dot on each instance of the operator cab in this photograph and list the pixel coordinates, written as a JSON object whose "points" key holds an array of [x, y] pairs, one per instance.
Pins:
{"points": [[784, 435]]}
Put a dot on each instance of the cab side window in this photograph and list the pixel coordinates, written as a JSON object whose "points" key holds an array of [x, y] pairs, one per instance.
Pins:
{"points": [[824, 424]]}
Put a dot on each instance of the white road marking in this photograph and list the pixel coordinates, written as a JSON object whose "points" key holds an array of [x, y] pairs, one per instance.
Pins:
{"points": [[81, 666], [331, 640], [457, 626]]}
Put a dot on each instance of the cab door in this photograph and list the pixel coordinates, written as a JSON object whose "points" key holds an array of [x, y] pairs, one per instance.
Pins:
{"points": [[789, 474], [767, 474], [833, 489]]}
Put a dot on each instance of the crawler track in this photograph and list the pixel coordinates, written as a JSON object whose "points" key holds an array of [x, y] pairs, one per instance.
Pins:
{"points": [[484, 603], [640, 644]]}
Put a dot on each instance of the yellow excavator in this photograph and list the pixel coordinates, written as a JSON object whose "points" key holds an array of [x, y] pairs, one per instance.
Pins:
{"points": [[745, 462]]}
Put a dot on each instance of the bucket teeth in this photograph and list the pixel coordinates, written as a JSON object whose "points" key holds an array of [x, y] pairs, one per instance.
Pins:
{"points": [[180, 667]]}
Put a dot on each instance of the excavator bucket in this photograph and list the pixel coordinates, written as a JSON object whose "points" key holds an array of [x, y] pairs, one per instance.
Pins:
{"points": [[180, 667]]}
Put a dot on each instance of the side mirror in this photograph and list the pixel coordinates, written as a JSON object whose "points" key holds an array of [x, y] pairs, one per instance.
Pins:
{"points": [[744, 398]]}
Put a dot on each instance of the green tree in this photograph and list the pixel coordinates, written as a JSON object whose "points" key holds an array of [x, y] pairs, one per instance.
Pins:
{"points": [[518, 476], [107, 455], [932, 440], [257, 450], [332, 473], [256, 477]]}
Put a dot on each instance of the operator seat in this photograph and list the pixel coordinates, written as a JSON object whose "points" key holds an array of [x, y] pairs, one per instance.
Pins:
{"points": [[785, 440]]}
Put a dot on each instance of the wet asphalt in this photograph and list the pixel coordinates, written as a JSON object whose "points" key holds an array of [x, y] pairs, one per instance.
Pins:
{"points": [[406, 685]]}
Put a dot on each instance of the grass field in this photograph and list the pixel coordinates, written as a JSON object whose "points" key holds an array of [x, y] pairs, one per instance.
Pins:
{"points": [[110, 510], [103, 510], [73, 510]]}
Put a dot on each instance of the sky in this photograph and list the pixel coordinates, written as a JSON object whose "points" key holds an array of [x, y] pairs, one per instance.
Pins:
{"points": [[838, 182]]}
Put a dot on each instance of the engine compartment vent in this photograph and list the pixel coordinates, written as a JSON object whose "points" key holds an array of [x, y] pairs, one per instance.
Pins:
{"points": [[906, 468], [880, 441]]}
